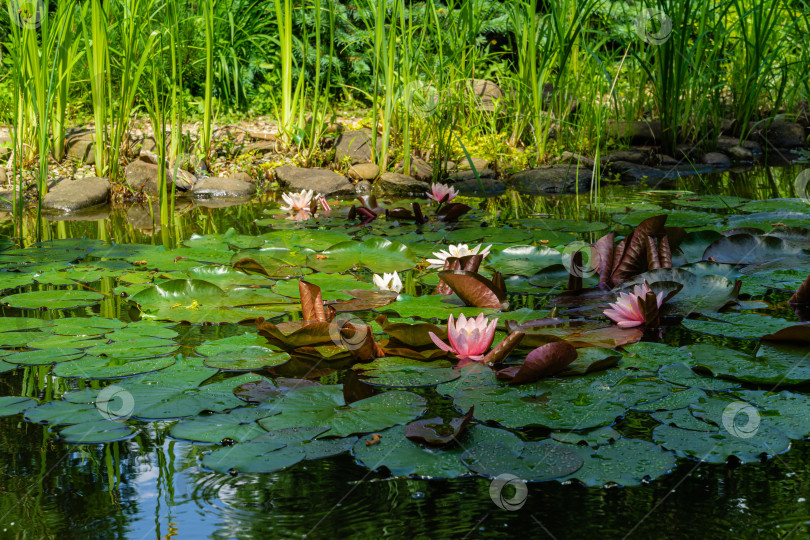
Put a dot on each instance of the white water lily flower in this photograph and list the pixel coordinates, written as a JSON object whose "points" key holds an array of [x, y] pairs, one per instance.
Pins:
{"points": [[388, 282], [297, 201], [460, 250]]}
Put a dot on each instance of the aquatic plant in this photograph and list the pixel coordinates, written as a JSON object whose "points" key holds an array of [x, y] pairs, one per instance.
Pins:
{"points": [[469, 338]]}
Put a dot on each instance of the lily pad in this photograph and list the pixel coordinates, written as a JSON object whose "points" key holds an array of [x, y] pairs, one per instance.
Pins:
{"points": [[395, 371], [238, 425], [95, 367], [379, 255], [403, 457], [248, 359], [11, 405], [523, 260], [100, 431], [325, 406], [535, 462], [626, 462], [53, 299]]}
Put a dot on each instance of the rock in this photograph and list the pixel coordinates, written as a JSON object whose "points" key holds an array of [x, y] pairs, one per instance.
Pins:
{"points": [[570, 157], [740, 153], [319, 180], [633, 173], [225, 188], [471, 187], [142, 176], [258, 147], [362, 187], [803, 113], [364, 171], [243, 176], [3, 176], [354, 147], [450, 165], [6, 200], [419, 168], [633, 156], [552, 179], [73, 195], [5, 148], [487, 94], [79, 144], [401, 185], [665, 159], [641, 133], [478, 163], [463, 176], [783, 134], [716, 159], [94, 213]]}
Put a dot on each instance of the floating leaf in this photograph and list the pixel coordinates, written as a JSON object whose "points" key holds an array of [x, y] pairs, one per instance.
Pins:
{"points": [[100, 431], [436, 431], [238, 425], [52, 299], [542, 362], [325, 406], [94, 367], [626, 462], [535, 462], [12, 405]]}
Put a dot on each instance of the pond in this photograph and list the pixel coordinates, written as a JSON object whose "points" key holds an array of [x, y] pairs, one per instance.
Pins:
{"points": [[139, 398]]}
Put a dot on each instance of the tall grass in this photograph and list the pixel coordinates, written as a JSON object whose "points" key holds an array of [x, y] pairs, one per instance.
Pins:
{"points": [[568, 69]]}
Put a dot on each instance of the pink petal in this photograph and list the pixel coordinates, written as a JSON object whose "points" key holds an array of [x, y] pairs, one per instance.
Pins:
{"points": [[439, 343]]}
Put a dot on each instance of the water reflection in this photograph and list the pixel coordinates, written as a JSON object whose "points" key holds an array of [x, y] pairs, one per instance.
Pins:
{"points": [[154, 487]]}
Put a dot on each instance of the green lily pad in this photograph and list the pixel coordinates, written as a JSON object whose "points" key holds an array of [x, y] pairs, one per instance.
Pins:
{"points": [[395, 371], [523, 260], [626, 462], [786, 411], [247, 359], [20, 339], [232, 344], [651, 356], [403, 457], [95, 367], [100, 431], [377, 254], [675, 218], [238, 425], [60, 299], [62, 413], [11, 405], [176, 392], [135, 348], [738, 325], [9, 324], [43, 356], [325, 406], [737, 366], [593, 437], [714, 202], [535, 462]]}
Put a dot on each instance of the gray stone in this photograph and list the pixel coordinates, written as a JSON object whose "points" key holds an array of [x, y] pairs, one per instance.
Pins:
{"points": [[633, 156], [463, 176], [487, 94], [225, 188], [570, 157], [419, 168], [633, 173], [716, 159], [363, 186], [478, 163], [401, 185], [73, 195], [740, 153], [3, 176], [364, 171], [258, 147], [79, 144], [243, 176], [552, 179], [665, 159], [7, 200], [319, 180], [641, 133], [354, 147], [783, 134], [5, 148], [472, 188], [143, 177]]}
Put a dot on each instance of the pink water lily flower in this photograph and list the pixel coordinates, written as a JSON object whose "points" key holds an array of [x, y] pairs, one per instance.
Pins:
{"points": [[297, 201], [469, 338], [438, 192], [626, 312]]}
